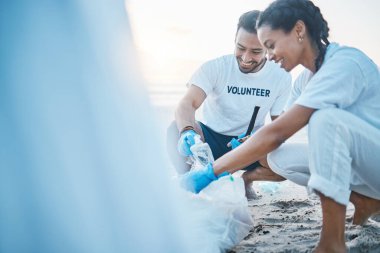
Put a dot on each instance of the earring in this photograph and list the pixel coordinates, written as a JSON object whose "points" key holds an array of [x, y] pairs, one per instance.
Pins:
{"points": [[300, 39]]}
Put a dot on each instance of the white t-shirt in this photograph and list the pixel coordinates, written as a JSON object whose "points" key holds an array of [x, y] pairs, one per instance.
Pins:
{"points": [[233, 95], [298, 87], [347, 79]]}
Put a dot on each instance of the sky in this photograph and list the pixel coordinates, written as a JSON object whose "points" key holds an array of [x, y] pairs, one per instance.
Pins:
{"points": [[174, 37]]}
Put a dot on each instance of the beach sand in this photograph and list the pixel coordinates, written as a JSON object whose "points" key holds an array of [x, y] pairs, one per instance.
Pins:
{"points": [[290, 220]]}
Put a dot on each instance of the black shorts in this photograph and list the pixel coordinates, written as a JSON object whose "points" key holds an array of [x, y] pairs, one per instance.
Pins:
{"points": [[218, 144]]}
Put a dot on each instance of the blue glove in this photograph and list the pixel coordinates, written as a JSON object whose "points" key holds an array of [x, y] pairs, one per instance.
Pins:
{"points": [[235, 143], [196, 180], [186, 141]]}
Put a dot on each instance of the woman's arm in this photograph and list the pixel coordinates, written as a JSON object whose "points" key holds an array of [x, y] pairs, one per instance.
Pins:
{"points": [[265, 140]]}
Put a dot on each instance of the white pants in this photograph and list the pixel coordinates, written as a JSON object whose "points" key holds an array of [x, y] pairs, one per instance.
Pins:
{"points": [[343, 155]]}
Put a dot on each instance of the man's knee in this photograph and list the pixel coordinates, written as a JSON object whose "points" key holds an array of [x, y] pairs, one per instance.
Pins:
{"points": [[172, 130], [172, 137], [328, 125], [274, 164], [178, 162]]}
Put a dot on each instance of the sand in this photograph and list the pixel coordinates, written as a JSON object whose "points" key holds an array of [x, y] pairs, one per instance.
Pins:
{"points": [[290, 220]]}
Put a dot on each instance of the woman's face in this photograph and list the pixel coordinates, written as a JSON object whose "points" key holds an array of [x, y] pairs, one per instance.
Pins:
{"points": [[284, 48]]}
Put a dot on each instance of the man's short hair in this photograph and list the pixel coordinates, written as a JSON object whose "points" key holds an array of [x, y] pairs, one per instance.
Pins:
{"points": [[247, 21]]}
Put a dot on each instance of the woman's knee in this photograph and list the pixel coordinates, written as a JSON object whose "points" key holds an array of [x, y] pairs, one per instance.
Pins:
{"points": [[326, 126], [291, 162], [323, 117], [276, 161]]}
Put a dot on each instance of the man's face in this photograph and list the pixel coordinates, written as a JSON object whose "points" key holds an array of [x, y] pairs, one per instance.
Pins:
{"points": [[249, 53]]}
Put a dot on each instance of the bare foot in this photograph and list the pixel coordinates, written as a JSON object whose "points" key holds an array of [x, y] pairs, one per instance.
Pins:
{"points": [[365, 207], [333, 225], [261, 174], [258, 174], [250, 192]]}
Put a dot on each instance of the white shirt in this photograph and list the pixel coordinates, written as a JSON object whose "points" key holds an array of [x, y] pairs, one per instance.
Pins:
{"points": [[298, 87], [347, 79], [232, 95]]}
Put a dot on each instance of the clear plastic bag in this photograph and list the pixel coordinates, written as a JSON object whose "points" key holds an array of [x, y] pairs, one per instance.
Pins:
{"points": [[269, 187], [221, 213]]}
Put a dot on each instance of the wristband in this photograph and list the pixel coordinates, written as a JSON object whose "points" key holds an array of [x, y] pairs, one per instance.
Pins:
{"points": [[186, 128]]}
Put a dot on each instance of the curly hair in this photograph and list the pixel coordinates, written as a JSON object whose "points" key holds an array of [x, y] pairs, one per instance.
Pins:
{"points": [[284, 14]]}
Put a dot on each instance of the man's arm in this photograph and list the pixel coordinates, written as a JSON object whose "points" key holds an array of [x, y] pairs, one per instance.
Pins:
{"points": [[185, 111]]}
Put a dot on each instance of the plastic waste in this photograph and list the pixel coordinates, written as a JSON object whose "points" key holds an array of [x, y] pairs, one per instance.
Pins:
{"points": [[221, 213], [202, 154], [269, 187], [220, 210]]}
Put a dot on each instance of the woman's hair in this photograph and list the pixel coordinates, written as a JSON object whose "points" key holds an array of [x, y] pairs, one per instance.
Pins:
{"points": [[284, 14]]}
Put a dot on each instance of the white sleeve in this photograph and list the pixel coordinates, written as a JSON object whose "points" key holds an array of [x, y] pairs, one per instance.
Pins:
{"points": [[205, 77], [337, 84], [298, 86], [280, 102]]}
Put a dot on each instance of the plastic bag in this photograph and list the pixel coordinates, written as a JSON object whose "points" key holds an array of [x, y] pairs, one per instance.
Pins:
{"points": [[269, 187], [220, 211], [221, 214]]}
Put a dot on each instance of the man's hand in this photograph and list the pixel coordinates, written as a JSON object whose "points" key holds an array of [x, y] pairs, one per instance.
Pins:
{"points": [[234, 143], [195, 181], [187, 140]]}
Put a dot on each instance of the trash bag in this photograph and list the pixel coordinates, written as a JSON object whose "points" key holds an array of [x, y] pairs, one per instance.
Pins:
{"points": [[220, 211], [221, 214]]}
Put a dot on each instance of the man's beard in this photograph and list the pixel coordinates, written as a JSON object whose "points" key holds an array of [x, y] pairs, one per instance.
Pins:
{"points": [[255, 67]]}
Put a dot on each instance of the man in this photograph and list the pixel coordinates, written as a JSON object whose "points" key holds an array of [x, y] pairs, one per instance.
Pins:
{"points": [[229, 88]]}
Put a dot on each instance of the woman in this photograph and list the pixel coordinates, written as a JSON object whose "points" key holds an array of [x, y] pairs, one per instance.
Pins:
{"points": [[339, 102]]}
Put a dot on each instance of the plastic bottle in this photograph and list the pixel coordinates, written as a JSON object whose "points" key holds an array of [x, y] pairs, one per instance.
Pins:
{"points": [[202, 154]]}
